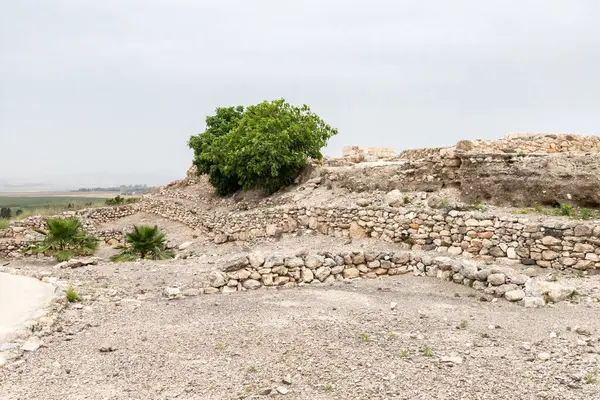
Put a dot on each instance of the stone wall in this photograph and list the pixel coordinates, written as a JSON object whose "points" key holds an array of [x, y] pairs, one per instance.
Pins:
{"points": [[526, 143], [20, 233], [275, 270], [555, 243], [363, 153]]}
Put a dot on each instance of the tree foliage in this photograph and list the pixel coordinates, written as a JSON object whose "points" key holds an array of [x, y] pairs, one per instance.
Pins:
{"points": [[64, 239], [263, 147], [143, 242], [5, 213]]}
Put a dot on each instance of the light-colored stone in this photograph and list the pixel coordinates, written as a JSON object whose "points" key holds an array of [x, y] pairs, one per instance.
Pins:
{"points": [[256, 259], [32, 344], [515, 295], [351, 273], [496, 279], [251, 284], [551, 241]]}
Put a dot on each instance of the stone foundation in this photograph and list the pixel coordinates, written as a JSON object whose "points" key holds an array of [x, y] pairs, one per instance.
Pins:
{"points": [[276, 270]]}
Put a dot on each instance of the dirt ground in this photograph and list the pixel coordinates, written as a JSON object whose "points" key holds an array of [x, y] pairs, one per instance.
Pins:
{"points": [[401, 337]]}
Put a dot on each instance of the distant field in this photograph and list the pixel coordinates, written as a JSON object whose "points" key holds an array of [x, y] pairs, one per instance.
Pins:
{"points": [[96, 195], [46, 205]]}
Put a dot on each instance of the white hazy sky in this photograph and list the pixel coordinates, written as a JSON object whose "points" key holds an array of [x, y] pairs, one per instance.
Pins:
{"points": [[109, 91]]}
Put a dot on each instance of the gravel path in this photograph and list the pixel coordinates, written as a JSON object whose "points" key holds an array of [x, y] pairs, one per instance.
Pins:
{"points": [[325, 342]]}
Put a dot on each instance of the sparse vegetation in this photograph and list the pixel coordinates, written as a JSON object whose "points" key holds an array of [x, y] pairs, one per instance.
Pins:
{"points": [[65, 239], [72, 295], [220, 346], [118, 200], [262, 147], [478, 206], [406, 200], [564, 210], [404, 353], [589, 379], [463, 324], [251, 369], [364, 337], [328, 388], [428, 351], [4, 223], [145, 242], [585, 213]]}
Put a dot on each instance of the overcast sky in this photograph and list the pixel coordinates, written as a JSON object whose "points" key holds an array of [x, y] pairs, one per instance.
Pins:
{"points": [[109, 91]]}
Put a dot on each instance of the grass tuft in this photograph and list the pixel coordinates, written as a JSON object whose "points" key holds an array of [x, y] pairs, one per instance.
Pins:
{"points": [[428, 351], [72, 295], [589, 379]]}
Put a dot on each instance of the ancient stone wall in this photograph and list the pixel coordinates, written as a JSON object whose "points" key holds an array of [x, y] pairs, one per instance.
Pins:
{"points": [[275, 270], [363, 153], [552, 244], [541, 143]]}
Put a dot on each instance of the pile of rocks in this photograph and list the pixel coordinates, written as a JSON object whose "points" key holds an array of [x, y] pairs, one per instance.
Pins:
{"points": [[257, 270]]}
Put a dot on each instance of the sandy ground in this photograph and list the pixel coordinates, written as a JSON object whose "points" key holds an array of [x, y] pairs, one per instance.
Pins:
{"points": [[127, 341], [341, 342], [20, 299]]}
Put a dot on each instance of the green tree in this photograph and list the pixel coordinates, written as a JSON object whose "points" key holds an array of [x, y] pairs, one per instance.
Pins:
{"points": [[143, 242], [220, 124], [266, 147], [5, 213], [64, 239]]}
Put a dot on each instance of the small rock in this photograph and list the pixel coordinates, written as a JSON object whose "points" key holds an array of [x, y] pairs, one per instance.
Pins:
{"points": [[251, 284], [282, 390], [185, 245], [496, 279], [583, 331], [171, 292], [543, 356], [107, 348], [191, 292], [393, 305], [451, 360], [32, 344], [265, 392], [514, 295], [287, 380], [533, 302]]}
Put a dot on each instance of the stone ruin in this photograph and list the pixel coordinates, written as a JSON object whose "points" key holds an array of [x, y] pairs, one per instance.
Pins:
{"points": [[516, 171]]}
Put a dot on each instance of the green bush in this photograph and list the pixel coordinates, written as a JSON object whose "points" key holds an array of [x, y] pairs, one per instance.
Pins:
{"points": [[265, 146], [64, 239], [143, 242], [118, 200], [5, 213]]}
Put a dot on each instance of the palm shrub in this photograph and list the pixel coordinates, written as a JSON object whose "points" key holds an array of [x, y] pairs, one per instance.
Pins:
{"points": [[64, 239], [143, 242]]}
